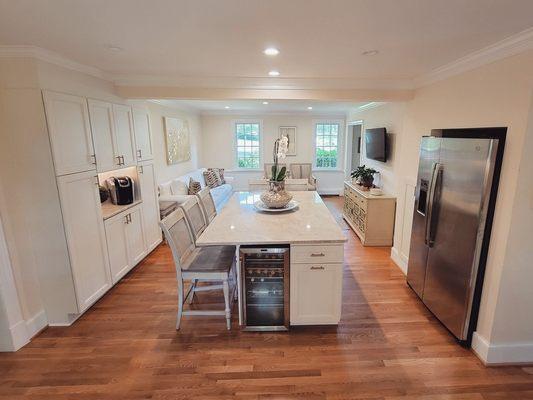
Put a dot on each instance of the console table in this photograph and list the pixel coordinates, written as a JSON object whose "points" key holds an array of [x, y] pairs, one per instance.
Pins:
{"points": [[371, 217]]}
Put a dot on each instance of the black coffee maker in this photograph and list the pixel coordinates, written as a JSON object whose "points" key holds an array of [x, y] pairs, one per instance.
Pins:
{"points": [[121, 189]]}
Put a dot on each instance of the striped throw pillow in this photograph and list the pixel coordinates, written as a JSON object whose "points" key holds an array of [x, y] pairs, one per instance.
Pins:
{"points": [[194, 186], [211, 179], [220, 174]]}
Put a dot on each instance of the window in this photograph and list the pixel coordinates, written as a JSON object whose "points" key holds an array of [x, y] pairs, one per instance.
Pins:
{"points": [[326, 145], [248, 145]]}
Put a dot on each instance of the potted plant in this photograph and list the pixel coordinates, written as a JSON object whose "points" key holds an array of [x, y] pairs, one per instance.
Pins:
{"points": [[276, 196], [364, 176]]}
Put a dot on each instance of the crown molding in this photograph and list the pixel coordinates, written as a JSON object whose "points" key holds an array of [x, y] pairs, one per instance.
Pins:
{"points": [[510, 46], [52, 58]]}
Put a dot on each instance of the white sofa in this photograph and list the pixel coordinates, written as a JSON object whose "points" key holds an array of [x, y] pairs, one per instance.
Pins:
{"points": [[173, 191]]}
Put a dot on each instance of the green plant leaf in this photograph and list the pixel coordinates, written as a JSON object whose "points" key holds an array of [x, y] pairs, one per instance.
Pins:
{"points": [[281, 174], [274, 172]]}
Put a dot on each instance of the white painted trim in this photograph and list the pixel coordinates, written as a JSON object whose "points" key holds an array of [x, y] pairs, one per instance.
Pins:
{"points": [[234, 123], [502, 353], [52, 58], [510, 46], [36, 323], [19, 335], [399, 259], [330, 192]]}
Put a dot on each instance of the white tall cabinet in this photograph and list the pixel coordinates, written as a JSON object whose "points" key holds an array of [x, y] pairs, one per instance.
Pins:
{"points": [[143, 136], [86, 241], [87, 137]]}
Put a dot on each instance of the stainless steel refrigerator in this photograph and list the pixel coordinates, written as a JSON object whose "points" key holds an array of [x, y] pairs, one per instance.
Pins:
{"points": [[456, 191]]}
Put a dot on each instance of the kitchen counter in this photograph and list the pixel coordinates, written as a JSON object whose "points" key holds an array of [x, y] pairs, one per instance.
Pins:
{"points": [[240, 223], [109, 209]]}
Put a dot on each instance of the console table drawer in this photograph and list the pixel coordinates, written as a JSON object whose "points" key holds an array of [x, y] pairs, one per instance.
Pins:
{"points": [[317, 254]]}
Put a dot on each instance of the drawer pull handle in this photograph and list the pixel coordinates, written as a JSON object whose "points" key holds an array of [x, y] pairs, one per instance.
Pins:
{"points": [[317, 268], [317, 254]]}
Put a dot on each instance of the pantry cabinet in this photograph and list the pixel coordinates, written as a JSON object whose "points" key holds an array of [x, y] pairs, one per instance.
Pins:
{"points": [[125, 241], [143, 135], [124, 134], [103, 129], [70, 133], [150, 205], [85, 235]]}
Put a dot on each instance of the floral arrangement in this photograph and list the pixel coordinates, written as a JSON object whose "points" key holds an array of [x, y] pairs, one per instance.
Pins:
{"points": [[281, 146]]}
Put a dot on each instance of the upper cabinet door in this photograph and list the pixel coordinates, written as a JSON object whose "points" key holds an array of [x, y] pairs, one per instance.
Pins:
{"points": [[143, 135], [125, 138], [84, 227], [70, 133], [103, 127]]}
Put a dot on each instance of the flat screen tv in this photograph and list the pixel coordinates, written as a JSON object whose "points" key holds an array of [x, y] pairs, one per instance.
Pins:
{"points": [[376, 144]]}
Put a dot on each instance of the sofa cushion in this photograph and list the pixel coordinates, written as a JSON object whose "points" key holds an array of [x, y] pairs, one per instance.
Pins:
{"points": [[178, 187], [164, 189]]}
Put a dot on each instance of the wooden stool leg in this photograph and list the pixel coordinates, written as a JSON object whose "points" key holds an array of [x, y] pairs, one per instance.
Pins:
{"points": [[180, 303], [226, 301]]}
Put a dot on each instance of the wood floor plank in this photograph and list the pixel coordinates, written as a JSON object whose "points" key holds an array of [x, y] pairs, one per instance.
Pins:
{"points": [[387, 347]]}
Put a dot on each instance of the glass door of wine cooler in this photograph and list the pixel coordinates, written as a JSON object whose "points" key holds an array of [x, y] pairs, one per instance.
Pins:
{"points": [[266, 287]]}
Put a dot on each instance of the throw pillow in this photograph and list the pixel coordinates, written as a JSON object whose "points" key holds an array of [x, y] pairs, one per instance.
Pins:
{"points": [[220, 174], [211, 179], [178, 187], [194, 186]]}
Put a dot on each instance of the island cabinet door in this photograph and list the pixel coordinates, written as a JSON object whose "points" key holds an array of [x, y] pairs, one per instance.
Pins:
{"points": [[316, 293]]}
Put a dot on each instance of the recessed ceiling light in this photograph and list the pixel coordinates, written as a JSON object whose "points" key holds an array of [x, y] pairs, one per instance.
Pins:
{"points": [[271, 51], [113, 48], [309, 108], [265, 102], [226, 107], [273, 73], [370, 53]]}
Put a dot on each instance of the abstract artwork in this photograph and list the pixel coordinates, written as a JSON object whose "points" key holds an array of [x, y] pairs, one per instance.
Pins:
{"points": [[290, 133], [178, 140]]}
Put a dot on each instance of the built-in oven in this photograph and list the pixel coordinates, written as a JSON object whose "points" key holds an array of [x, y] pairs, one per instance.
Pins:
{"points": [[265, 279]]}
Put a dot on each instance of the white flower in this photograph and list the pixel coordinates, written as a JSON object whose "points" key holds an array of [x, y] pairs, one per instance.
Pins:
{"points": [[283, 147]]}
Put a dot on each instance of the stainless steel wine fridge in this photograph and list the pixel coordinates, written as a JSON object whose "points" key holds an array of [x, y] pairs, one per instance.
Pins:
{"points": [[265, 280]]}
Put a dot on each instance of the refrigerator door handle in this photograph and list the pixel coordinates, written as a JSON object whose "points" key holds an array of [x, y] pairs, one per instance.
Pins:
{"points": [[435, 173]]}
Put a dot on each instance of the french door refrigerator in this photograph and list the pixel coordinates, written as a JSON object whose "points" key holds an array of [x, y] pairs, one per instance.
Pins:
{"points": [[455, 195]]}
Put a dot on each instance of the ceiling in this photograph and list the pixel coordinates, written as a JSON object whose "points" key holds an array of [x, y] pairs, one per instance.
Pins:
{"points": [[257, 107], [221, 41]]}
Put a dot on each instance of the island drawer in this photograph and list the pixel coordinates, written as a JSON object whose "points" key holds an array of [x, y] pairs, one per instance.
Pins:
{"points": [[317, 253]]}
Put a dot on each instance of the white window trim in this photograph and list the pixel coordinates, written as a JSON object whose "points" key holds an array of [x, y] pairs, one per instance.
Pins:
{"points": [[234, 142], [340, 145]]}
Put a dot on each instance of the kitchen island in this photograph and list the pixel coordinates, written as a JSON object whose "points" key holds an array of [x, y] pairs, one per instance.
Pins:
{"points": [[316, 251]]}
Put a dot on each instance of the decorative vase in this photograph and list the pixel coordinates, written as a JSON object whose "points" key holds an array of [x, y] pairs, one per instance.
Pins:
{"points": [[276, 196]]}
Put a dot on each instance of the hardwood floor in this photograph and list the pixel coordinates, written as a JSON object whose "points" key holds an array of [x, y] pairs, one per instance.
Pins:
{"points": [[388, 346]]}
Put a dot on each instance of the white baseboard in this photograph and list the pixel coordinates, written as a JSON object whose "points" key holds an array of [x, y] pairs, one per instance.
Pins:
{"points": [[36, 323], [19, 335], [502, 353], [399, 259], [331, 192]]}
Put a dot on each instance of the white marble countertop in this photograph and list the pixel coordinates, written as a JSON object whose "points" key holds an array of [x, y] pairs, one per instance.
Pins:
{"points": [[110, 210], [239, 223]]}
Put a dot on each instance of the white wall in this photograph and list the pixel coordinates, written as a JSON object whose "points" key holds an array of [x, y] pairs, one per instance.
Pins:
{"points": [[164, 171], [497, 94], [218, 145]]}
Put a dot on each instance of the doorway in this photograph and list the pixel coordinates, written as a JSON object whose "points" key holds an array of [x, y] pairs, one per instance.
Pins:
{"points": [[354, 145]]}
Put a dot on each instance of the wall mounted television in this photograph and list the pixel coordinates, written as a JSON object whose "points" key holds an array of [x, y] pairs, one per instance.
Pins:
{"points": [[376, 144]]}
